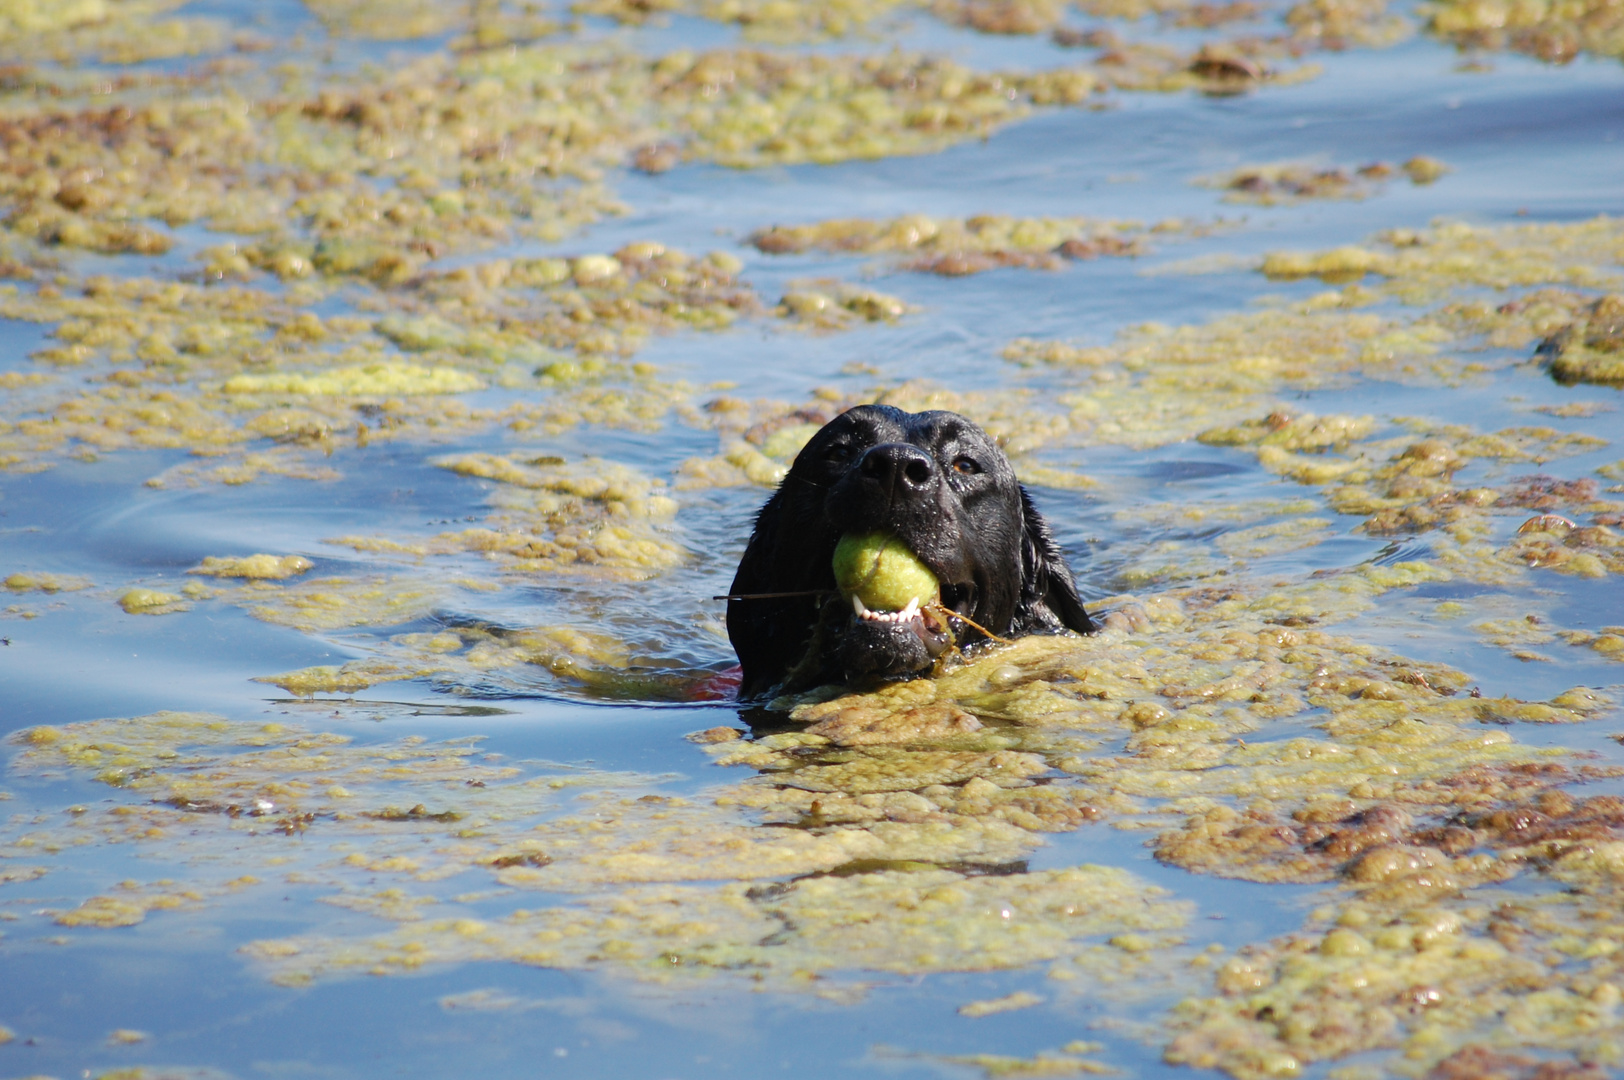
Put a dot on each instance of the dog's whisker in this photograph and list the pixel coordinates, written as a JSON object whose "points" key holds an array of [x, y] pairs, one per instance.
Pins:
{"points": [[773, 595], [949, 613]]}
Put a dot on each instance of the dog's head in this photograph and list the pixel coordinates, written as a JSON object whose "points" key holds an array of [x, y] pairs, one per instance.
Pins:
{"points": [[938, 484]]}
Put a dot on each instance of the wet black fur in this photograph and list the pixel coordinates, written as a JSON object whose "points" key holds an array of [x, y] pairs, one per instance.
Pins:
{"points": [[944, 488]]}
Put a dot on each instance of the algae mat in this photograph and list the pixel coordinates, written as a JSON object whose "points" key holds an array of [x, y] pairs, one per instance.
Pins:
{"points": [[387, 387]]}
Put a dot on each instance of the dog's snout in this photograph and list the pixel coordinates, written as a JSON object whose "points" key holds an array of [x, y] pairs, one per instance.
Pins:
{"points": [[900, 464]]}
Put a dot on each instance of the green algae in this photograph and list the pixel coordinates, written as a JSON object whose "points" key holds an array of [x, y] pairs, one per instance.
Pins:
{"points": [[1423, 265], [382, 378], [787, 939], [131, 902], [109, 31], [256, 567], [484, 24], [151, 602], [1021, 999], [883, 775], [766, 20], [179, 366], [1439, 976], [594, 516], [294, 173], [332, 603], [858, 842], [1555, 33], [343, 678], [668, 885], [23, 16], [995, 1066], [45, 583], [827, 304], [267, 779], [1312, 24]]}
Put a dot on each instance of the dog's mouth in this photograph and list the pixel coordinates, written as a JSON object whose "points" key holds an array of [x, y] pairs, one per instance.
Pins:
{"points": [[874, 604], [927, 623], [900, 606]]}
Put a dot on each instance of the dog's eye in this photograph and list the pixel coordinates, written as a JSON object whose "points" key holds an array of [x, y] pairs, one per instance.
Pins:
{"points": [[839, 452], [967, 466]]}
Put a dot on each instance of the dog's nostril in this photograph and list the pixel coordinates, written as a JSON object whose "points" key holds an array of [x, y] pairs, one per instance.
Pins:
{"points": [[917, 471]]}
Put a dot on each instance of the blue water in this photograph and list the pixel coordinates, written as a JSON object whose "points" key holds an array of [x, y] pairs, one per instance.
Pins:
{"points": [[1525, 141]]}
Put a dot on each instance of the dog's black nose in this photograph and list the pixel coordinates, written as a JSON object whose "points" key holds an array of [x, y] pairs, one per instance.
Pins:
{"points": [[899, 465]]}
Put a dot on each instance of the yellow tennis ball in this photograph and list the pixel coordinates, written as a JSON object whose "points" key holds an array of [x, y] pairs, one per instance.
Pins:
{"points": [[880, 571]]}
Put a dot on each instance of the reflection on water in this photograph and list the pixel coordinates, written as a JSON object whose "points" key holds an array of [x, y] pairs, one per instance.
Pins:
{"points": [[386, 390]]}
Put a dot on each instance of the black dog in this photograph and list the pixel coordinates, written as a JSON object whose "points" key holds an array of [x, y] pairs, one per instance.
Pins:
{"points": [[939, 484]]}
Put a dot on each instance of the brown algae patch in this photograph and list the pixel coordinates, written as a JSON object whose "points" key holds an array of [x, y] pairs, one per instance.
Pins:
{"points": [[955, 247], [1591, 348], [1290, 182]]}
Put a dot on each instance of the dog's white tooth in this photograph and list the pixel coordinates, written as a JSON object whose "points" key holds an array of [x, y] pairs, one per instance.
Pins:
{"points": [[910, 611], [858, 606]]}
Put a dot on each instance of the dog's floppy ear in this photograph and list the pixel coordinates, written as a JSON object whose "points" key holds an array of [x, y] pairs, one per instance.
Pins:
{"points": [[1045, 577], [770, 635]]}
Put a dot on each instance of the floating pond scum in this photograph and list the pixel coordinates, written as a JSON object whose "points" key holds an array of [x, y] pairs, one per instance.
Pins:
{"points": [[387, 388]]}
